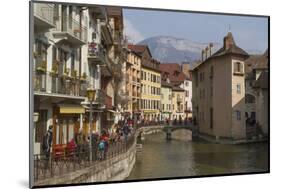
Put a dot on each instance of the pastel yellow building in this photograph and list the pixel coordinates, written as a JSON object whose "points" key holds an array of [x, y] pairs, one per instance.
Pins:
{"points": [[150, 96], [150, 83]]}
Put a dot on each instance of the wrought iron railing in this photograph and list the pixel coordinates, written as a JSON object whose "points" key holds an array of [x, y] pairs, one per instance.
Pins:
{"points": [[59, 84], [72, 159], [96, 51]]}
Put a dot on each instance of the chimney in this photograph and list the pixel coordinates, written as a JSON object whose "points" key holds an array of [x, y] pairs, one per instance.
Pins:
{"points": [[206, 52], [210, 48], [203, 55], [228, 41]]}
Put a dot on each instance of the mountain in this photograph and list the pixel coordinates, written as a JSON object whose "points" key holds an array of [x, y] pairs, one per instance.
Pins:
{"points": [[177, 50], [171, 49]]}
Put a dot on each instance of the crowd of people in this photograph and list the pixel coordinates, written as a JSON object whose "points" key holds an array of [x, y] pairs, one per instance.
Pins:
{"points": [[100, 143]]}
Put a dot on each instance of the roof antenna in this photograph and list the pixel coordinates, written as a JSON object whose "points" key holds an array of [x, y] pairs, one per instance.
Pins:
{"points": [[229, 28]]}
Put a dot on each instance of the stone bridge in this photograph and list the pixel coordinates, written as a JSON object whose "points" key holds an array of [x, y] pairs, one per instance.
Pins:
{"points": [[168, 129]]}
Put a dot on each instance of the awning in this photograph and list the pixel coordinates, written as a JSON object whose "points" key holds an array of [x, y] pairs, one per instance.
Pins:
{"points": [[71, 109], [112, 111]]}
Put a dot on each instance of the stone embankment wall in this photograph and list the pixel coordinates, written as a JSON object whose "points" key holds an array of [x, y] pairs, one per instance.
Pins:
{"points": [[113, 169]]}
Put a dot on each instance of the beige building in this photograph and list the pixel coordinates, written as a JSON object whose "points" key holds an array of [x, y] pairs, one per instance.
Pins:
{"points": [[133, 83], [166, 100], [75, 48], [178, 99], [219, 92]]}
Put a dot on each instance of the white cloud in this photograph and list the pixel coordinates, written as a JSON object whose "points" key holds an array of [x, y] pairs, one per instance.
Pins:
{"points": [[134, 36]]}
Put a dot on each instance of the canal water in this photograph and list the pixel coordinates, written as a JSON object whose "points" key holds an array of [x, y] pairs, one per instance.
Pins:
{"points": [[160, 158]]}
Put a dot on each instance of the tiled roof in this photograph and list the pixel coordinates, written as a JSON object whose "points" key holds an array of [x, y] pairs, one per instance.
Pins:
{"points": [[262, 62], [139, 48], [262, 81], [166, 84], [174, 70], [229, 47], [250, 62], [176, 88]]}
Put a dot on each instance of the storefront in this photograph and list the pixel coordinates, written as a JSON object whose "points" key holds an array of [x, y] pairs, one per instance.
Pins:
{"points": [[67, 122]]}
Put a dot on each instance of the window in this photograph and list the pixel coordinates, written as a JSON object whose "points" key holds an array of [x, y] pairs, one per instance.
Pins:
{"points": [[249, 99], [187, 93], [238, 115], [238, 68], [163, 106], [238, 88], [173, 107]]}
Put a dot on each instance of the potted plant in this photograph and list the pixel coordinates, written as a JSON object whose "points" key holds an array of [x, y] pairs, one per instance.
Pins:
{"points": [[42, 66], [54, 70], [36, 54], [84, 76], [66, 73], [74, 74]]}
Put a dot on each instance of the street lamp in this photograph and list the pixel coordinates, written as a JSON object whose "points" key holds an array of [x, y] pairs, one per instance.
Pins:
{"points": [[91, 93]]}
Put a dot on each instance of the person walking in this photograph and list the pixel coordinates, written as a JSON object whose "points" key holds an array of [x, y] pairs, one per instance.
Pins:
{"points": [[47, 144], [101, 149], [126, 131], [94, 146]]}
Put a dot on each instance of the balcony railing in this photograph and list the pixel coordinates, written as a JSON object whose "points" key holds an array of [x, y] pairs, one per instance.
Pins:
{"points": [[72, 27], [59, 84], [104, 99], [45, 12], [96, 52]]}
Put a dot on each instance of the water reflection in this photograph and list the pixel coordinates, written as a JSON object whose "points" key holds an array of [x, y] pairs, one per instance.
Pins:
{"points": [[175, 158]]}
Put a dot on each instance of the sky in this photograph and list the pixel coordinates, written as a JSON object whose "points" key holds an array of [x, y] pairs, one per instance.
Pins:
{"points": [[250, 33]]}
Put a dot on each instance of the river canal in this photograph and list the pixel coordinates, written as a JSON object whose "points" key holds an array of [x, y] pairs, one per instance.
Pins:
{"points": [[160, 158]]}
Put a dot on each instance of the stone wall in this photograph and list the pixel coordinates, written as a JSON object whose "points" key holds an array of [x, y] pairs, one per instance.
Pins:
{"points": [[113, 169]]}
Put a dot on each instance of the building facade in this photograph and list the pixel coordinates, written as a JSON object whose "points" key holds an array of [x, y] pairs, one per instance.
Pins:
{"points": [[178, 99], [257, 96], [166, 100], [133, 83], [150, 83], [73, 50], [218, 89], [173, 72]]}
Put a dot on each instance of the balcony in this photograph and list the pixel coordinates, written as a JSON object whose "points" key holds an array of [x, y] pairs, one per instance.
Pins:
{"points": [[104, 99], [58, 85], [96, 53], [70, 30], [107, 32], [44, 15]]}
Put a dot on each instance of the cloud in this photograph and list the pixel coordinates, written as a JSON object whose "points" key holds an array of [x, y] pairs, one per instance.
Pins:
{"points": [[134, 36]]}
